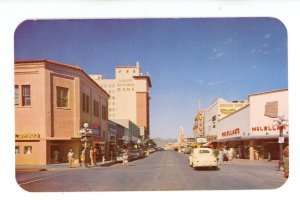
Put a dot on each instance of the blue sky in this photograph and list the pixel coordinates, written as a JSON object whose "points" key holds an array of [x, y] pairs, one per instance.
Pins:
{"points": [[189, 60]]}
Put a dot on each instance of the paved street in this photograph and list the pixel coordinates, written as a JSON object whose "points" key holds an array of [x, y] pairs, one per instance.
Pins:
{"points": [[163, 170]]}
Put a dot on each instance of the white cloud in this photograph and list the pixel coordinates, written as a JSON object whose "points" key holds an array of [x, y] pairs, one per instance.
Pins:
{"points": [[217, 82], [267, 36], [228, 41], [216, 53]]}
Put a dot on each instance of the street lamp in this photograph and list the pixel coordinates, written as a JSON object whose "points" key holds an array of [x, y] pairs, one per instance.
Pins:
{"points": [[85, 133], [280, 123]]}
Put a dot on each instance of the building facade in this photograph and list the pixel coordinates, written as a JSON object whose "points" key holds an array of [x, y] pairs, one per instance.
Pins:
{"points": [[130, 96], [251, 129], [219, 109], [52, 102]]}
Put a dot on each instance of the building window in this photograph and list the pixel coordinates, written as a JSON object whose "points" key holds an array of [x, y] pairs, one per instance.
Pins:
{"points": [[17, 149], [83, 102], [16, 95], [87, 103], [62, 97], [104, 112], [96, 108], [26, 95], [28, 150]]}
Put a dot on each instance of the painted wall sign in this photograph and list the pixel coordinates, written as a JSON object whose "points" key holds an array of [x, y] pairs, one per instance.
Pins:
{"points": [[267, 128], [231, 132], [27, 136]]}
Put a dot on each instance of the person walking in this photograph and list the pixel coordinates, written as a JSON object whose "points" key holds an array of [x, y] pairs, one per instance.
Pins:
{"points": [[125, 158], [220, 157], [71, 158], [286, 161]]}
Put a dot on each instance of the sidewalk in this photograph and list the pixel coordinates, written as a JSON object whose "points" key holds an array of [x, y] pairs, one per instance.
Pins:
{"points": [[60, 166]]}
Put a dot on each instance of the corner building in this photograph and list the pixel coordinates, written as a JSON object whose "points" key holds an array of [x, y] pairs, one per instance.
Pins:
{"points": [[52, 102], [129, 96]]}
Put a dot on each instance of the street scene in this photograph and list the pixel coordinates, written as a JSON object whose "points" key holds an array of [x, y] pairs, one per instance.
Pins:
{"points": [[151, 104], [162, 170]]}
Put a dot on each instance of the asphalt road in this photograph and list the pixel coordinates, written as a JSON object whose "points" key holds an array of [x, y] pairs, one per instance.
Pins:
{"points": [[161, 171]]}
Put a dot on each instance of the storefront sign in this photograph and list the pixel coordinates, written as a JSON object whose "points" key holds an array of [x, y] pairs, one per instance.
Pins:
{"points": [[228, 108], [281, 140], [231, 132], [211, 137], [27, 136], [271, 109], [96, 126], [201, 140], [266, 128]]}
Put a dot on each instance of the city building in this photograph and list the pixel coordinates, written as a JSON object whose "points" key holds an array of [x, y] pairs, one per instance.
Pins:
{"points": [[198, 128], [52, 103], [131, 135], [219, 109], [251, 129], [130, 96]]}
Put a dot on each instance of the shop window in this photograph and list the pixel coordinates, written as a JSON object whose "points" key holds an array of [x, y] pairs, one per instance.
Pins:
{"points": [[28, 150], [62, 97], [17, 149], [16, 95], [26, 95]]}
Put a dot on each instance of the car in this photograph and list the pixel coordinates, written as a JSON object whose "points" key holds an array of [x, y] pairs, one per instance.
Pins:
{"points": [[202, 157], [187, 150], [134, 154]]}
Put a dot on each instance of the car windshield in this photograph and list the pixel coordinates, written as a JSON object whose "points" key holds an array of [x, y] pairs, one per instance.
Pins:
{"points": [[203, 151]]}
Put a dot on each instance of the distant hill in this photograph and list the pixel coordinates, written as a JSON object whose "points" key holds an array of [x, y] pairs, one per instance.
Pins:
{"points": [[161, 142]]}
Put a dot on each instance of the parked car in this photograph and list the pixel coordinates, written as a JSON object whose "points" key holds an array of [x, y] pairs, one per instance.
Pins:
{"points": [[187, 150], [202, 157], [120, 156], [134, 154]]}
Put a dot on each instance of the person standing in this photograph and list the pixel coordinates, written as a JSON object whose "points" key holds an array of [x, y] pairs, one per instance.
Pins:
{"points": [[71, 158], [125, 158], [55, 156], [220, 157], [92, 157], [286, 161]]}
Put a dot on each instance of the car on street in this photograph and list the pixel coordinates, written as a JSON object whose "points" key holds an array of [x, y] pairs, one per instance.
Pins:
{"points": [[187, 150], [135, 154], [202, 157]]}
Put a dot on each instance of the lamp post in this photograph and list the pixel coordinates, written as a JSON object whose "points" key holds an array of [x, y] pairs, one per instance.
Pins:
{"points": [[280, 123], [85, 132]]}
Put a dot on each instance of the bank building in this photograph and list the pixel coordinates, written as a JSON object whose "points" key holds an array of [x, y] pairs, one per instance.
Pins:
{"points": [[129, 97]]}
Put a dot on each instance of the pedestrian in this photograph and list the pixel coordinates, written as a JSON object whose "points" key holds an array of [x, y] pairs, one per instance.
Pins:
{"points": [[225, 156], [55, 156], [82, 158], [220, 157], [71, 158], [92, 156], [95, 155], [286, 161], [125, 158]]}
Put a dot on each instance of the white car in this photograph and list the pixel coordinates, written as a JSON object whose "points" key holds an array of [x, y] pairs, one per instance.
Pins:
{"points": [[202, 157]]}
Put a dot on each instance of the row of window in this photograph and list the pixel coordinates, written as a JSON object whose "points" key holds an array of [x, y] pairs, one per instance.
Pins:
{"points": [[62, 100], [26, 150], [127, 71]]}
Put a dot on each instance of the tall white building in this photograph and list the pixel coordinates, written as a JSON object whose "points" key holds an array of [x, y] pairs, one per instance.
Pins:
{"points": [[129, 96]]}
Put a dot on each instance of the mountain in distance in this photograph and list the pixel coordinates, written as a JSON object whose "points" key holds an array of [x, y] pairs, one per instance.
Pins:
{"points": [[161, 142]]}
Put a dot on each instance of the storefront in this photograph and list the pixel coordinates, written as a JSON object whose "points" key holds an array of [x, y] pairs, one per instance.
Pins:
{"points": [[251, 130]]}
